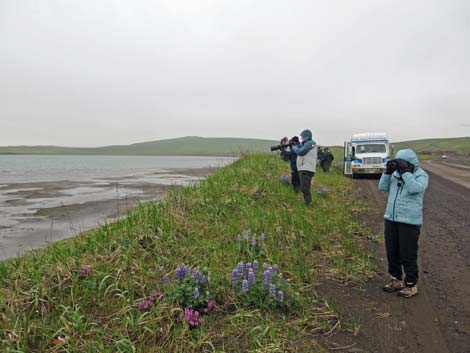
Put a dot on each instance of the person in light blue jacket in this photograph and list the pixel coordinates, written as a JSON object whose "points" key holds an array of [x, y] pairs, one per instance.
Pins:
{"points": [[406, 183]]}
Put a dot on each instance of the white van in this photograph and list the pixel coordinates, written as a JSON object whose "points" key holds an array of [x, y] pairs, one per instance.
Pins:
{"points": [[366, 153]]}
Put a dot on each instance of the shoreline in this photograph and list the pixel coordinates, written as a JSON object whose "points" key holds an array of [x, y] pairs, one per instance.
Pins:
{"points": [[37, 214]]}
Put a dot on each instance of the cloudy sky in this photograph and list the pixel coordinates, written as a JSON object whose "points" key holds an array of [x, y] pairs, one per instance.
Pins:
{"points": [[88, 73]]}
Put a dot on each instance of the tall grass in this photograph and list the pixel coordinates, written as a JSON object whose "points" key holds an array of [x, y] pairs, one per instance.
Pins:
{"points": [[42, 295]]}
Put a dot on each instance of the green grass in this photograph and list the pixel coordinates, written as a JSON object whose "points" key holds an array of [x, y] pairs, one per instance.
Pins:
{"points": [[459, 145], [185, 146], [42, 296]]}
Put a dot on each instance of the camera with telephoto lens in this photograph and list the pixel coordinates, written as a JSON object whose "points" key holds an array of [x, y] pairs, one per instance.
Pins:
{"points": [[281, 146], [285, 143]]}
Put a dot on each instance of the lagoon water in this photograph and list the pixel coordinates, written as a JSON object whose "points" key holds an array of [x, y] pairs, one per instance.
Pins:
{"points": [[47, 198], [27, 169]]}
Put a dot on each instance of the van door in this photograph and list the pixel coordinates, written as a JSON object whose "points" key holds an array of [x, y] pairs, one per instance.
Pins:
{"points": [[348, 155]]}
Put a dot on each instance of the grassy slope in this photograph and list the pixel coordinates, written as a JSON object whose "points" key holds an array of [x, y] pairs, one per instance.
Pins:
{"points": [[455, 145], [41, 294], [185, 146]]}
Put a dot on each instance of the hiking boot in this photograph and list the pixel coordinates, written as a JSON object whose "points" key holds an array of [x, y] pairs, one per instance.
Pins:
{"points": [[393, 285], [408, 292]]}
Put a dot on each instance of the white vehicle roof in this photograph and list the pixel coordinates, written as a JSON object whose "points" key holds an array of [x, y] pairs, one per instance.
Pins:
{"points": [[370, 136]]}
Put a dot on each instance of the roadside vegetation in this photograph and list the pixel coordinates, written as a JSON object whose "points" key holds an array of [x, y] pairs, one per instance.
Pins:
{"points": [[228, 265]]}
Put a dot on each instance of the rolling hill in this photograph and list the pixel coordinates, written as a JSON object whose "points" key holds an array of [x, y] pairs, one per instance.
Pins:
{"points": [[459, 145], [184, 146]]}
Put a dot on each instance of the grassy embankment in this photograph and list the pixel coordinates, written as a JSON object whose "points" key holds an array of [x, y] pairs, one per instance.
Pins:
{"points": [[43, 295]]}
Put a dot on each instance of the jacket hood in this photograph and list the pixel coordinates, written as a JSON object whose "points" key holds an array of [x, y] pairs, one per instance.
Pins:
{"points": [[408, 155], [306, 134]]}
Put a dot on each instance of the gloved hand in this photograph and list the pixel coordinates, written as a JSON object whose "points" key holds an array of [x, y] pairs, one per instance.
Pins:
{"points": [[390, 167], [404, 166]]}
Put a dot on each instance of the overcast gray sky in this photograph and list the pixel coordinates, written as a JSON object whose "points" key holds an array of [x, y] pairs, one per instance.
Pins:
{"points": [[87, 73]]}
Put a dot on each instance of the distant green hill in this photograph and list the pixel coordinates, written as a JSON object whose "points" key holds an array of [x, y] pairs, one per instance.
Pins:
{"points": [[460, 145], [184, 146]]}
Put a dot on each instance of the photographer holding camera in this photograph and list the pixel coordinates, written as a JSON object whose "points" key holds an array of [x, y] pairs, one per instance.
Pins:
{"points": [[306, 163], [289, 155], [406, 183]]}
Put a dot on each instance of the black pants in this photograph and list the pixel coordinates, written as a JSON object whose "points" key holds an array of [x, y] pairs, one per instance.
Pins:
{"points": [[305, 183], [401, 242], [295, 180]]}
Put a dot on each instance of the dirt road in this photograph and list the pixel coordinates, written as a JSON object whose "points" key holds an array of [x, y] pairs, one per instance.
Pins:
{"points": [[458, 173], [438, 319]]}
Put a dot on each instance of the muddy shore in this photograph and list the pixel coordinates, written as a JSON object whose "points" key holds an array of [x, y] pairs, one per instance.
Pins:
{"points": [[35, 214]]}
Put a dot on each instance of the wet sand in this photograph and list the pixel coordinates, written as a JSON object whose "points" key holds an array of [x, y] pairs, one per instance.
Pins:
{"points": [[35, 214]]}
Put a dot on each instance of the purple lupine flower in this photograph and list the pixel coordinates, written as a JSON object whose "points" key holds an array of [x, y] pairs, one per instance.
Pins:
{"points": [[251, 276], [255, 265], [196, 293], [272, 289], [144, 304], [204, 280], [248, 265], [235, 276], [280, 296], [166, 279], [84, 272], [275, 268], [241, 267], [268, 277], [245, 285], [182, 272], [196, 275]]}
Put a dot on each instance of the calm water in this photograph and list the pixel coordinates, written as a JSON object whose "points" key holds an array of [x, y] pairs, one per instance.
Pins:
{"points": [[47, 198], [25, 169]]}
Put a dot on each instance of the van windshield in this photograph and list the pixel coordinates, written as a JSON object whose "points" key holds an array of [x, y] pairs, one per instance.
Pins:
{"points": [[372, 148]]}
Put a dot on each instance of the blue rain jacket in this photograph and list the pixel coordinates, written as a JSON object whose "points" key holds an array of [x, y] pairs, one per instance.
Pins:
{"points": [[406, 192]]}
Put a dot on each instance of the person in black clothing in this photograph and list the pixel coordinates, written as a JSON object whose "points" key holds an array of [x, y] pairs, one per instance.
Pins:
{"points": [[289, 155], [327, 160], [321, 158]]}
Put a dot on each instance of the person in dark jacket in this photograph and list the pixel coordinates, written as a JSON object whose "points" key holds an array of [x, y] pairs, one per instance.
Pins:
{"points": [[306, 163], [327, 160], [406, 183], [289, 155], [320, 157]]}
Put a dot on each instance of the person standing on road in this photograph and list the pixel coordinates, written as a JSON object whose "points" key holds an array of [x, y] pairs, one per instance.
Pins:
{"points": [[406, 183], [306, 163]]}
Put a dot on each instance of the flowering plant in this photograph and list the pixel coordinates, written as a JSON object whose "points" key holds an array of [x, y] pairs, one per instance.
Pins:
{"points": [[146, 304], [261, 285], [194, 290], [250, 244]]}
